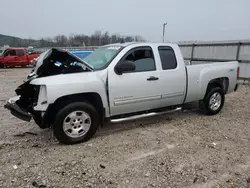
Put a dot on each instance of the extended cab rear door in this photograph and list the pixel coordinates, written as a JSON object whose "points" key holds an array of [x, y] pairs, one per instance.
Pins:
{"points": [[172, 74], [22, 58]]}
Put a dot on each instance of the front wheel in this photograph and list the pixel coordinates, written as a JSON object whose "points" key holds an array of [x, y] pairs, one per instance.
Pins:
{"points": [[213, 101], [76, 122]]}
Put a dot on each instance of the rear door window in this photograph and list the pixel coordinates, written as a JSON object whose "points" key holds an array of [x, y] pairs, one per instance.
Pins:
{"points": [[20, 53], [168, 59]]}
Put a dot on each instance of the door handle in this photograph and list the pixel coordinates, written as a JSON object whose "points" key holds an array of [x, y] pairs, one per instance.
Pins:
{"points": [[152, 78]]}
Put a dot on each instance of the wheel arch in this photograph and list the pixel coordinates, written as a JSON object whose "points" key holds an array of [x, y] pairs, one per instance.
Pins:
{"points": [[222, 82], [91, 98]]}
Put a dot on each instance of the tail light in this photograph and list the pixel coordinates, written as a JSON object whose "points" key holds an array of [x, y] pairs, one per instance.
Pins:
{"points": [[238, 73]]}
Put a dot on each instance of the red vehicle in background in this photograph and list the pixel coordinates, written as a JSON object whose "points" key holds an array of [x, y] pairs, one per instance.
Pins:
{"points": [[17, 57]]}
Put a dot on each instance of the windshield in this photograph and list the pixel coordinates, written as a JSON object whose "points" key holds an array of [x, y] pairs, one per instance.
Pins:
{"points": [[1, 52], [101, 56]]}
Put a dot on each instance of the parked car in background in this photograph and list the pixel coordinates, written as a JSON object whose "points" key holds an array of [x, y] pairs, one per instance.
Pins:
{"points": [[117, 82], [17, 57]]}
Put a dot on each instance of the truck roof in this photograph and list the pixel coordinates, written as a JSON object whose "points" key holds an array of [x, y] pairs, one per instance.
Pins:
{"points": [[16, 48], [137, 43]]}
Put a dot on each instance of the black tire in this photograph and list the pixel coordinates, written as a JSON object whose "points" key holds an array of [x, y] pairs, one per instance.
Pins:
{"points": [[57, 127], [38, 120], [204, 104]]}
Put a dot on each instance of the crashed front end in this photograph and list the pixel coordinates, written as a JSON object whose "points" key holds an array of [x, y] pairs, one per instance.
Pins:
{"points": [[22, 106], [30, 97]]}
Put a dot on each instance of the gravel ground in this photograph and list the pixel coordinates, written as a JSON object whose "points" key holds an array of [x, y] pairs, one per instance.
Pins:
{"points": [[184, 149]]}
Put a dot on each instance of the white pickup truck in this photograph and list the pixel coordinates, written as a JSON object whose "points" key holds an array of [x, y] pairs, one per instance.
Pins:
{"points": [[117, 82]]}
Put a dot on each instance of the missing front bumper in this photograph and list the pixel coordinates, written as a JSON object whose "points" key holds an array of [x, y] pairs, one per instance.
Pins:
{"points": [[16, 110]]}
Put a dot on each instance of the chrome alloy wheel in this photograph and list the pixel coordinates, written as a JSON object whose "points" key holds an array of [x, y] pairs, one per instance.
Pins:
{"points": [[76, 124], [215, 101]]}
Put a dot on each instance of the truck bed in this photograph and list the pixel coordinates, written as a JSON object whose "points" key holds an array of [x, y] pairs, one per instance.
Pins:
{"points": [[199, 75]]}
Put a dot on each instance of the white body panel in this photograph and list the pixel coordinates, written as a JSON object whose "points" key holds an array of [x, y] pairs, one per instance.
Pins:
{"points": [[200, 75], [132, 92], [68, 84]]}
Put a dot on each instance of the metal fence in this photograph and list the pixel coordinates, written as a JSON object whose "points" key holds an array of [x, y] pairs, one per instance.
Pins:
{"points": [[219, 52]]}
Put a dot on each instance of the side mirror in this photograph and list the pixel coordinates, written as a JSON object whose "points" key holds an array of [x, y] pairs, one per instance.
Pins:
{"points": [[125, 66]]}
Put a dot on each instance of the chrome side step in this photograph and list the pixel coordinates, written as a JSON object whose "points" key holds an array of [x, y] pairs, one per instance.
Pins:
{"points": [[119, 120]]}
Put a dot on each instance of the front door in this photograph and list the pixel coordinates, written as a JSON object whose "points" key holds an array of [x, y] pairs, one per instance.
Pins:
{"points": [[173, 77], [10, 57], [137, 90]]}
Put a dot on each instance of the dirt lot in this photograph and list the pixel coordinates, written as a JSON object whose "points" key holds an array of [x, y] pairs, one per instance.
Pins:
{"points": [[184, 149]]}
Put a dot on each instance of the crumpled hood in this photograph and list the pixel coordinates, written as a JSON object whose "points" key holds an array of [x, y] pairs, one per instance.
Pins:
{"points": [[56, 61]]}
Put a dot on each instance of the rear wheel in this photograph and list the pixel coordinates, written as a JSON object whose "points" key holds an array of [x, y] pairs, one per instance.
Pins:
{"points": [[213, 101], [76, 122]]}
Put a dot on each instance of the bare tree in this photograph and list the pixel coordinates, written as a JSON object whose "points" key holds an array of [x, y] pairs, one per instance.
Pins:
{"points": [[129, 39], [96, 39], [105, 38], [139, 38], [61, 40]]}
